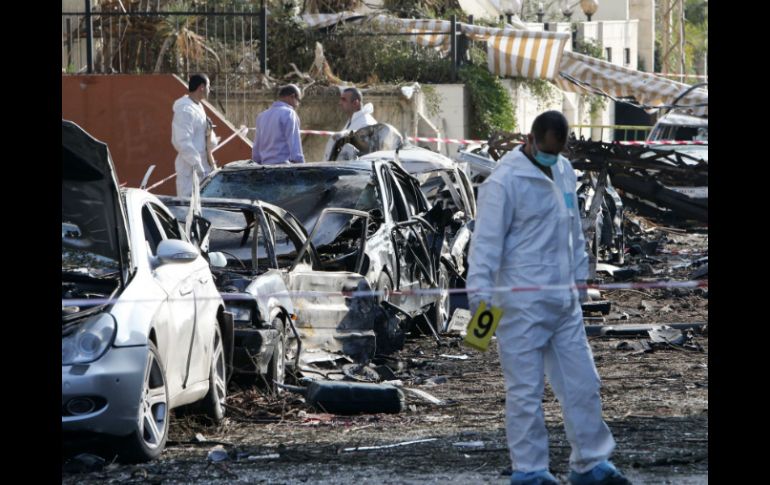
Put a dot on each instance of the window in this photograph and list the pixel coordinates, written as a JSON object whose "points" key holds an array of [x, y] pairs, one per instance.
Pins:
{"points": [[169, 225], [287, 244], [608, 51], [152, 233], [627, 53]]}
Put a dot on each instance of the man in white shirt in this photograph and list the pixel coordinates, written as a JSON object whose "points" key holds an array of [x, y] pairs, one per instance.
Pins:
{"points": [[351, 101], [192, 136]]}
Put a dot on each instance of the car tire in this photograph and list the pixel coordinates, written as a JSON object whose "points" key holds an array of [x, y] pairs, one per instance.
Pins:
{"points": [[213, 404], [276, 368], [439, 313], [147, 441]]}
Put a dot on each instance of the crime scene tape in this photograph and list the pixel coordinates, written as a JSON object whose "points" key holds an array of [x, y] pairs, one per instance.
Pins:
{"points": [[459, 141], [462, 141], [417, 292]]}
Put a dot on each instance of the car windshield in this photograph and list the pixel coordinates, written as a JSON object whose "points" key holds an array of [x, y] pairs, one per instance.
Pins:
{"points": [[304, 192]]}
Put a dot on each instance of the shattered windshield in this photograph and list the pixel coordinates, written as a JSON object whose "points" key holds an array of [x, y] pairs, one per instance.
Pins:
{"points": [[304, 192], [77, 255]]}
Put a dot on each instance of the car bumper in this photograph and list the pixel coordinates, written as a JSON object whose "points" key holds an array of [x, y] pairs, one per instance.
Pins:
{"points": [[113, 384], [253, 349]]}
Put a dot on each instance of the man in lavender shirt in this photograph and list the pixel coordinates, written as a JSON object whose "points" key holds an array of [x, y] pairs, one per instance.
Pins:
{"points": [[277, 139]]}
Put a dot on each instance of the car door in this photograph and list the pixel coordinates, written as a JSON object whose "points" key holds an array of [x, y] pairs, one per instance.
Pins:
{"points": [[206, 303], [178, 283], [426, 240], [409, 260]]}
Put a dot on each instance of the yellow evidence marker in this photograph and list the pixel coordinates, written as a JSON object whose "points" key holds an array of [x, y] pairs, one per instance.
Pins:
{"points": [[483, 326]]}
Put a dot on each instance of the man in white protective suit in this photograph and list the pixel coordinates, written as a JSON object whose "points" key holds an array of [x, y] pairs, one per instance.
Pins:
{"points": [[528, 233], [192, 135], [351, 101]]}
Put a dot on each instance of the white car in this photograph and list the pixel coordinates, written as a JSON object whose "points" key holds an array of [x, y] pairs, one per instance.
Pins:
{"points": [[143, 326]]}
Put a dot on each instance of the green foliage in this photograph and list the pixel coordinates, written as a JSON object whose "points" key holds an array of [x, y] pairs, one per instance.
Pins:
{"points": [[589, 47], [442, 9], [354, 58], [491, 106], [545, 92]]}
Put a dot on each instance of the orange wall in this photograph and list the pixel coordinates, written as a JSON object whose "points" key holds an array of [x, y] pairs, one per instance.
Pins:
{"points": [[132, 115]]}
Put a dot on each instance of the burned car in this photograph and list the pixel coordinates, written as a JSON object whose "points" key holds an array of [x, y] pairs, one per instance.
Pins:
{"points": [[660, 179], [403, 247], [446, 186], [144, 329], [678, 125], [288, 312]]}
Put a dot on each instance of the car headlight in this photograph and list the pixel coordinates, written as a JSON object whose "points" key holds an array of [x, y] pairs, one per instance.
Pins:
{"points": [[240, 313], [89, 341]]}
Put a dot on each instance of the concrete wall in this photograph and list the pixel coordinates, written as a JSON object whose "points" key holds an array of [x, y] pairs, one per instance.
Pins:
{"points": [[617, 35], [320, 110], [452, 117], [644, 11], [132, 115]]}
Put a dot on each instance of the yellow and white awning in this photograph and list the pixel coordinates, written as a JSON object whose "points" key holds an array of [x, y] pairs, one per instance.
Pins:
{"points": [[618, 81]]}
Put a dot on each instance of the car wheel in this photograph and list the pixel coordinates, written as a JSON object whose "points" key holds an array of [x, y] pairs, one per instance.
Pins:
{"points": [[385, 286], [276, 369], [213, 405], [438, 314], [148, 440], [441, 308]]}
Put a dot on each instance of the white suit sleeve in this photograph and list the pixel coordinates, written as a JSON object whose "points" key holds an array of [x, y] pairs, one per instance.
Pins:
{"points": [[181, 136], [494, 216]]}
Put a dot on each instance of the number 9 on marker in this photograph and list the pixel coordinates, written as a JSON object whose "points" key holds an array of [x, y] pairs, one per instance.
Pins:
{"points": [[483, 326]]}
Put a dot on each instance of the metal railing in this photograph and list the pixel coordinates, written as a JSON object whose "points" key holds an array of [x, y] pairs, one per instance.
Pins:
{"points": [[612, 132], [113, 39]]}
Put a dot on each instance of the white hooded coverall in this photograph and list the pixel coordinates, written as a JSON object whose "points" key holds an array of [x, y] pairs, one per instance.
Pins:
{"points": [[188, 135], [360, 119], [528, 233]]}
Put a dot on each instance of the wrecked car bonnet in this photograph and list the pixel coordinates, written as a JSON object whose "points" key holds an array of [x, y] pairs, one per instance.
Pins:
{"points": [[94, 228]]}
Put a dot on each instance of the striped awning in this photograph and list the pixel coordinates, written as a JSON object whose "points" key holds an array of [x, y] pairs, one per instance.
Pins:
{"points": [[427, 33], [617, 81], [525, 53]]}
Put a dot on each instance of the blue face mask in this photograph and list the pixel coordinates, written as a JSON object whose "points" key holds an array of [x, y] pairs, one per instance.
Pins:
{"points": [[544, 159]]}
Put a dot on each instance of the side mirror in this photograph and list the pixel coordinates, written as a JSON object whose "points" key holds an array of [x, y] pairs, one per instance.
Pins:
{"points": [[176, 251]]}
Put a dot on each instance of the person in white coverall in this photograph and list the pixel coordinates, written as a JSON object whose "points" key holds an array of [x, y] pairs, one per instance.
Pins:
{"points": [[351, 101], [528, 233], [190, 134]]}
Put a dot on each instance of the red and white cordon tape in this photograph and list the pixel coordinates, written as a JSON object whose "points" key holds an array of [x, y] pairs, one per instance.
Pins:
{"points": [[459, 141], [462, 141], [429, 291], [665, 142]]}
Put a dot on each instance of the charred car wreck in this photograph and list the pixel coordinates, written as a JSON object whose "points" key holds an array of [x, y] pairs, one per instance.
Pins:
{"points": [[404, 240], [667, 179], [293, 309]]}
